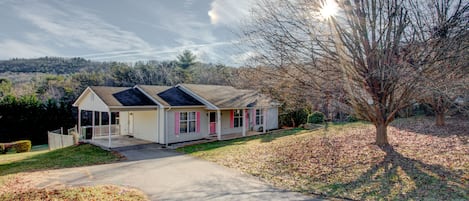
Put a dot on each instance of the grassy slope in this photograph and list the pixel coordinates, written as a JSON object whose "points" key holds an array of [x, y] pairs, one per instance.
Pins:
{"points": [[424, 162], [15, 184], [73, 156]]}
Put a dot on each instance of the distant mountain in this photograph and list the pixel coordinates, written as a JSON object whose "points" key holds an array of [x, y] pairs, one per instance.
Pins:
{"points": [[54, 65]]}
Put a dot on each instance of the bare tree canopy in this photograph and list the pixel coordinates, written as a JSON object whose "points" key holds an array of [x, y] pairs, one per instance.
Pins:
{"points": [[380, 53]]}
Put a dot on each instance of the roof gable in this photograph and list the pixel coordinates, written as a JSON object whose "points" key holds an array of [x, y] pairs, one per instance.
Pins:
{"points": [[153, 91], [176, 97]]}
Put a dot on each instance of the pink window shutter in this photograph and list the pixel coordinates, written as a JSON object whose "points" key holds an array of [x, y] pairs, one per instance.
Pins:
{"points": [[176, 123], [197, 114], [232, 119]]}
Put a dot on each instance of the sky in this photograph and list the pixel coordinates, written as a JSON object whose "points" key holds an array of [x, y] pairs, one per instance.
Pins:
{"points": [[123, 30]]}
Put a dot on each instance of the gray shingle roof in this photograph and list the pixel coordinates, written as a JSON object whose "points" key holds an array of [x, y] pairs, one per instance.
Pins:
{"points": [[153, 91], [121, 96], [176, 97], [229, 97], [223, 97]]}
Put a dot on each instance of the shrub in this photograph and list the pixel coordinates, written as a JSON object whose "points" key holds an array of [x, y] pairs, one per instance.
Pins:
{"points": [[316, 117], [23, 146], [4, 147], [293, 118], [352, 118]]}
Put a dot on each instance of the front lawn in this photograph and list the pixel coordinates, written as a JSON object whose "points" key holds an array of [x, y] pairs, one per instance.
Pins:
{"points": [[74, 156], [17, 184], [424, 162]]}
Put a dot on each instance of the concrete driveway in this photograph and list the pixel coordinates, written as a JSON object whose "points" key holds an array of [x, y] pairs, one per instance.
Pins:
{"points": [[167, 175]]}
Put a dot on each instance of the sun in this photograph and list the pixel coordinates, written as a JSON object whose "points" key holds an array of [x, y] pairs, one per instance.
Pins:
{"points": [[329, 9]]}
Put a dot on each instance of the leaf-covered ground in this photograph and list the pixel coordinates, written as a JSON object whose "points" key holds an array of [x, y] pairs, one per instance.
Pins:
{"points": [[424, 163], [21, 187]]}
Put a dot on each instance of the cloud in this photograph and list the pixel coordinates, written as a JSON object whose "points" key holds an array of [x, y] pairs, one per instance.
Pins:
{"points": [[13, 48], [203, 51], [229, 12], [73, 26]]}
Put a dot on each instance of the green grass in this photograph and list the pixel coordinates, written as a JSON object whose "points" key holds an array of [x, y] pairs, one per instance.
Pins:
{"points": [[40, 159], [424, 163], [226, 145]]}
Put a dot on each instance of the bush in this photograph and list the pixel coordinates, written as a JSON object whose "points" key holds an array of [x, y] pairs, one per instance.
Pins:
{"points": [[23, 146], [4, 147], [316, 117], [293, 118], [352, 118]]}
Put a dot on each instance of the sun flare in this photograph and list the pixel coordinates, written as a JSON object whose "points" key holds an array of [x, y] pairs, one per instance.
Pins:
{"points": [[329, 9]]}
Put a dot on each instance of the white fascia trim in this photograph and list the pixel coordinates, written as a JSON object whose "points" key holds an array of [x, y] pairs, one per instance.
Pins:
{"points": [[209, 105], [136, 107], [148, 95], [95, 96], [179, 107], [75, 104]]}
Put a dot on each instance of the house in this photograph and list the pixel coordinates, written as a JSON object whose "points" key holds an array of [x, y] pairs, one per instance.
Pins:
{"points": [[165, 115]]}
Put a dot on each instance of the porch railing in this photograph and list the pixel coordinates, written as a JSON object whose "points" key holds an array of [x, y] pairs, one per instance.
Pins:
{"points": [[103, 130]]}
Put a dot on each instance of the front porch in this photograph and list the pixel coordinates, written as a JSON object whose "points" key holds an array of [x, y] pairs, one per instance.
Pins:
{"points": [[118, 142]]}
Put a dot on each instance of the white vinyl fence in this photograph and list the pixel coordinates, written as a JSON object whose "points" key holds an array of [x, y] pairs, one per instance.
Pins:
{"points": [[57, 139]]}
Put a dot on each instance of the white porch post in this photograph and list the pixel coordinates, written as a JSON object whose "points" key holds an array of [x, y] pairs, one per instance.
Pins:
{"points": [[264, 120], [79, 121], [218, 124], [244, 122], [100, 123], [109, 126], [92, 124]]}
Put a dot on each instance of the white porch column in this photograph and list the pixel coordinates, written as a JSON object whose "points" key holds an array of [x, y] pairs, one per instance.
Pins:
{"points": [[218, 124], [109, 126], [244, 121], [100, 123], [79, 122], [93, 120], [264, 120]]}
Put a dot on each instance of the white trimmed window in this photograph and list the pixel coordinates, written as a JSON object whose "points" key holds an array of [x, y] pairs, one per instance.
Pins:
{"points": [[187, 122], [259, 117]]}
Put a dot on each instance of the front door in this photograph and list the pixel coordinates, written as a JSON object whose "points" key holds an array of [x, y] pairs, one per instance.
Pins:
{"points": [[212, 122]]}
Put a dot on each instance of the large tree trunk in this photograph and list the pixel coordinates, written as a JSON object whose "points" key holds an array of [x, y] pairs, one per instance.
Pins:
{"points": [[440, 119], [381, 134]]}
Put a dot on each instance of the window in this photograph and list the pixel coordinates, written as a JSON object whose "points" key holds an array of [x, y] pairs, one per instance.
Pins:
{"points": [[259, 117], [187, 122], [238, 118]]}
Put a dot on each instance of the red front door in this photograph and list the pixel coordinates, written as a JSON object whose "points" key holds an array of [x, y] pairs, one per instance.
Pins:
{"points": [[213, 122]]}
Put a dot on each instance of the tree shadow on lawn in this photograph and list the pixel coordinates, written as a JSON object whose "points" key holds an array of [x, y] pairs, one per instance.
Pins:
{"points": [[399, 177], [455, 127], [264, 138]]}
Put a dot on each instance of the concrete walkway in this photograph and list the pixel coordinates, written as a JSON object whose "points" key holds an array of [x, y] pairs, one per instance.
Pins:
{"points": [[167, 175]]}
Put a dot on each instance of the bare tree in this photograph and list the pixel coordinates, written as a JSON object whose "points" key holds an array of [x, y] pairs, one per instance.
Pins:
{"points": [[370, 50], [443, 26]]}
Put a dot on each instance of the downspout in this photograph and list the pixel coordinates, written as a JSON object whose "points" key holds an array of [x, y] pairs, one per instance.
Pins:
{"points": [[158, 125], [165, 127]]}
